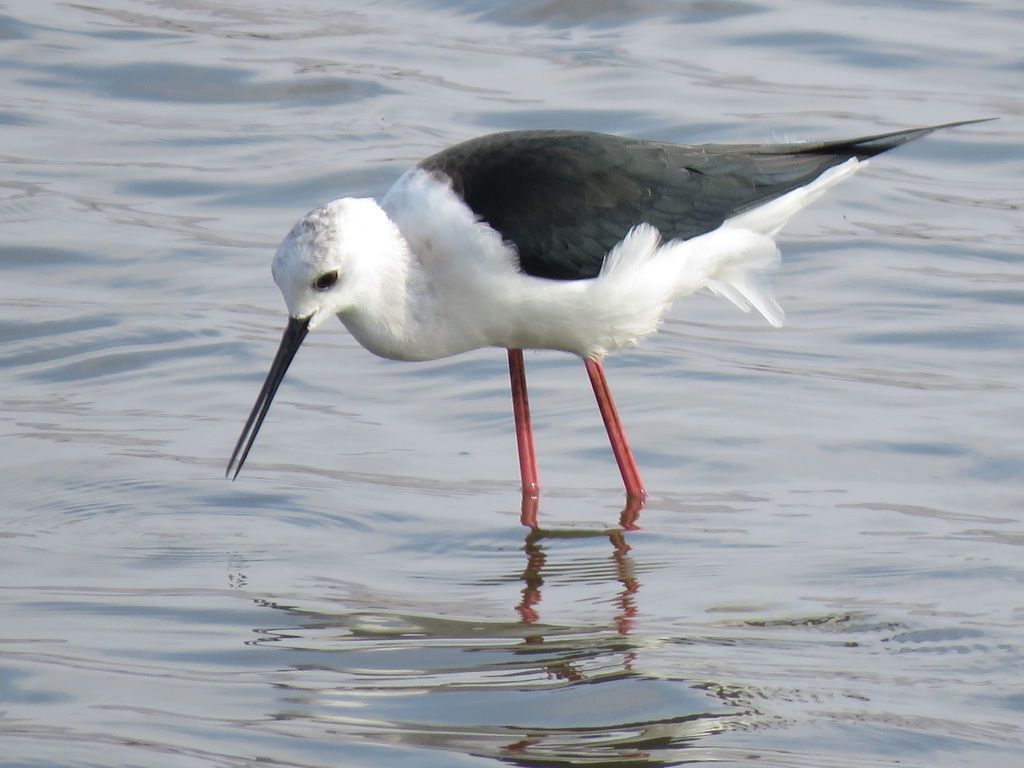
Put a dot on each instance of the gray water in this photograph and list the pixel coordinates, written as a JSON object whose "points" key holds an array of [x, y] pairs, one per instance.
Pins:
{"points": [[830, 570]]}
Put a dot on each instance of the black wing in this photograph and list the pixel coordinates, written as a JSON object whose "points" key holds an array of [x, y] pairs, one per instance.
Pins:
{"points": [[565, 198]]}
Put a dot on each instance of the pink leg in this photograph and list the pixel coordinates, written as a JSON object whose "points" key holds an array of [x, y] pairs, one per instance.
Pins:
{"points": [[616, 436], [524, 430]]}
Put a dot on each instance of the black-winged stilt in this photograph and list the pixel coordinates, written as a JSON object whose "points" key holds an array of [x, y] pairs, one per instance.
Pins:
{"points": [[564, 240]]}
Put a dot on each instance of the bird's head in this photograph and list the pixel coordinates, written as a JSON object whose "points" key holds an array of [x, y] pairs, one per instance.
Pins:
{"points": [[325, 266], [321, 264]]}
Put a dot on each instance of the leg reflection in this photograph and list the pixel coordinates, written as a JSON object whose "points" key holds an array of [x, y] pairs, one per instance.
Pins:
{"points": [[535, 559], [626, 573], [533, 580]]}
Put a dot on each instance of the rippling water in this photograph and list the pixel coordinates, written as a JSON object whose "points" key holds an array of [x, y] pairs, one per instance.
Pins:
{"points": [[830, 569]]}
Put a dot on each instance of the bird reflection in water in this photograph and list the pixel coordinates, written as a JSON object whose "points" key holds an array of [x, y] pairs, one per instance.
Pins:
{"points": [[534, 690], [533, 580]]}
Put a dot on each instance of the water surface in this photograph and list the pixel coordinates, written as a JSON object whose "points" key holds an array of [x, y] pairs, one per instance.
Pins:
{"points": [[829, 569]]}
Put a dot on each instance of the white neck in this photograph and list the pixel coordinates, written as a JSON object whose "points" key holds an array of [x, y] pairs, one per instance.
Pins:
{"points": [[416, 301]]}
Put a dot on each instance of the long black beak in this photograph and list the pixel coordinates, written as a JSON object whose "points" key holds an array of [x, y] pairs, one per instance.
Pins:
{"points": [[294, 333]]}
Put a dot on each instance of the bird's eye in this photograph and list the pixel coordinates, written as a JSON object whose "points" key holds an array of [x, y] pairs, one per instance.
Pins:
{"points": [[326, 281]]}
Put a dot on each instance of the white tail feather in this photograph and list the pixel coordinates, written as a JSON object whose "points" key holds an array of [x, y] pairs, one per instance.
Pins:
{"points": [[772, 216], [731, 261], [742, 279], [752, 291]]}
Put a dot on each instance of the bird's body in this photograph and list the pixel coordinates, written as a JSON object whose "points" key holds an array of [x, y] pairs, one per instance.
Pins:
{"points": [[440, 282], [561, 240]]}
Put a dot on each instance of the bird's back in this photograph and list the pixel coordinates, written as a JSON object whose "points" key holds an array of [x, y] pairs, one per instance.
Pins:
{"points": [[564, 199]]}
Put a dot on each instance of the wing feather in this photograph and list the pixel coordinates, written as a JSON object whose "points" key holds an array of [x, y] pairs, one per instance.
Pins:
{"points": [[564, 199]]}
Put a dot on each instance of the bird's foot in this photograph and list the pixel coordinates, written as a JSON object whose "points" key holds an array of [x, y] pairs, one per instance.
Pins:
{"points": [[529, 509], [631, 512]]}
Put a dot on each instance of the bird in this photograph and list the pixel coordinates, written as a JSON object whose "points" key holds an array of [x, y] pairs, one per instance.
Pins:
{"points": [[565, 240]]}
